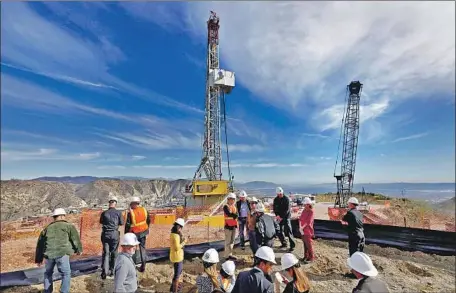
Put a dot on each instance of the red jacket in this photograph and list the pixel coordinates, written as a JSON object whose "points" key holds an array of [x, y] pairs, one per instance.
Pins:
{"points": [[306, 221]]}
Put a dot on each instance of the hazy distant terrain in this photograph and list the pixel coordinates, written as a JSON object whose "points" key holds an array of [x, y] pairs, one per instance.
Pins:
{"points": [[41, 195]]}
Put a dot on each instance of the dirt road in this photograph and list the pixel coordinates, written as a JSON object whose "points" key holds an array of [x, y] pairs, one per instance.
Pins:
{"points": [[403, 271]]}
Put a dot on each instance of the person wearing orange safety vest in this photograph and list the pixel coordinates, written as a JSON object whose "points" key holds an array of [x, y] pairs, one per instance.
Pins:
{"points": [[137, 222], [231, 224]]}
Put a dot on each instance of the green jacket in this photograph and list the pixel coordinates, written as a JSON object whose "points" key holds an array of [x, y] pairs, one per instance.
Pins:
{"points": [[58, 239]]}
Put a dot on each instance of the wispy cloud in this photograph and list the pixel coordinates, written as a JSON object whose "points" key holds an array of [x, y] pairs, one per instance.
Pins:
{"points": [[61, 77], [245, 165], [399, 50], [44, 154], [138, 158], [36, 44], [413, 136], [111, 167]]}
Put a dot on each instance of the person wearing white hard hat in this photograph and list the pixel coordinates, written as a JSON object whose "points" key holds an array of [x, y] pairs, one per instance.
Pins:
{"points": [[226, 278], [125, 279], [258, 279], [138, 222], [282, 210], [110, 221], [251, 224], [176, 253], [300, 282], [207, 281], [243, 208], [231, 223], [362, 267], [56, 243], [353, 219], [266, 227], [306, 227]]}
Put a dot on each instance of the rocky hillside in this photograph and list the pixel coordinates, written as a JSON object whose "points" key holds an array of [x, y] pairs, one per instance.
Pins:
{"points": [[22, 198], [150, 191], [27, 198]]}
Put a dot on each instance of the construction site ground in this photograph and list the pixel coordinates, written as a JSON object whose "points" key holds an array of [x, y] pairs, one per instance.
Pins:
{"points": [[18, 242], [403, 271]]}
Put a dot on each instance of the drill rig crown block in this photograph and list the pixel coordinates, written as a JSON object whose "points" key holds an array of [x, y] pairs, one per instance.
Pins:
{"points": [[355, 87]]}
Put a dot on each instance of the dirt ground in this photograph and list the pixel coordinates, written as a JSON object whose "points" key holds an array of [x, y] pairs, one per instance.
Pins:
{"points": [[403, 271]]}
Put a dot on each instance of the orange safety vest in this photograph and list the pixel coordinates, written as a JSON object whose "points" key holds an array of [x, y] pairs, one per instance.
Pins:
{"points": [[229, 221], [138, 220]]}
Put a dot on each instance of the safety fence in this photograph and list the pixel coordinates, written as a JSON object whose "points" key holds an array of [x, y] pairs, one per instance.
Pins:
{"points": [[200, 227]]}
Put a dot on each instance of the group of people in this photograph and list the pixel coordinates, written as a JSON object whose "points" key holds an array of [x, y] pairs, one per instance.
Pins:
{"points": [[60, 239]]}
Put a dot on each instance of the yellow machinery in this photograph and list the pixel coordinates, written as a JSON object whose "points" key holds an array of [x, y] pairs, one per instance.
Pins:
{"points": [[206, 193]]}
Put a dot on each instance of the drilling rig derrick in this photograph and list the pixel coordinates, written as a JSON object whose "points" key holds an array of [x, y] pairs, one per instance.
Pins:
{"points": [[350, 127], [218, 83]]}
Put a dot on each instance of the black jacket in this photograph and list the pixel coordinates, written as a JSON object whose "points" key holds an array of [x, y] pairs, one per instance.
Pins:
{"points": [[227, 213], [282, 207], [290, 288], [253, 281], [111, 219], [371, 285], [238, 206], [354, 218]]}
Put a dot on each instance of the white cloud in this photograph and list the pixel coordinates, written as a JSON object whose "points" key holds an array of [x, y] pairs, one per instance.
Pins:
{"points": [[413, 136], [299, 56], [111, 167], [138, 158], [89, 156], [34, 43], [244, 148]]}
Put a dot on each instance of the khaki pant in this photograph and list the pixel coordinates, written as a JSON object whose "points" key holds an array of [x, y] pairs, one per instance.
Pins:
{"points": [[230, 235]]}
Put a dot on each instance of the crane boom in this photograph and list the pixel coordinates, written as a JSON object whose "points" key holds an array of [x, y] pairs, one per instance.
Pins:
{"points": [[350, 124]]}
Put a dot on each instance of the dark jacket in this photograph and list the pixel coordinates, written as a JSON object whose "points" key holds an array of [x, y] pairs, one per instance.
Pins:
{"points": [[253, 281], [354, 218], [371, 285], [282, 207], [128, 225], [266, 227], [227, 212], [59, 238], [290, 288], [238, 206], [111, 219]]}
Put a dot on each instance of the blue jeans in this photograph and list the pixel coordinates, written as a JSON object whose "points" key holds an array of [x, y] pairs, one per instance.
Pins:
{"points": [[63, 266], [242, 225], [253, 241]]}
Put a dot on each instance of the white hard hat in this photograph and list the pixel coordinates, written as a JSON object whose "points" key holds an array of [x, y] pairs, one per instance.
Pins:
{"points": [[58, 212], [279, 190], [113, 198], [242, 194], [362, 263], [307, 201], [232, 195], [353, 200], [229, 267], [180, 222], [266, 253], [129, 239], [135, 199], [211, 256], [288, 260], [259, 208], [253, 199]]}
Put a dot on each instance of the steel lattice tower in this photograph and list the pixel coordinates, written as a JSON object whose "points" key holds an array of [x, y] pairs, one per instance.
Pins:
{"points": [[350, 145], [211, 162]]}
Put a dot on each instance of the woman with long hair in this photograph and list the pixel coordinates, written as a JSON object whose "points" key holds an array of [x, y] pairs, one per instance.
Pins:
{"points": [[207, 281], [306, 223], [227, 278], [176, 253], [300, 282]]}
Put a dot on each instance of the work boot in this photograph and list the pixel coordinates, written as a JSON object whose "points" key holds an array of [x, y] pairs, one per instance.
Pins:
{"points": [[142, 268], [103, 275], [111, 273]]}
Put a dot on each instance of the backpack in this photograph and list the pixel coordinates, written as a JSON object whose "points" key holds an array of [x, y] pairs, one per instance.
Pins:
{"points": [[269, 227]]}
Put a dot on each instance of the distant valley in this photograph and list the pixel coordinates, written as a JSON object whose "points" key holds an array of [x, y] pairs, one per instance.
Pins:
{"points": [[22, 198]]}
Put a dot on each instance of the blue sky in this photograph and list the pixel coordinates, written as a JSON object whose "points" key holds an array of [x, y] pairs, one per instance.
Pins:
{"points": [[110, 89]]}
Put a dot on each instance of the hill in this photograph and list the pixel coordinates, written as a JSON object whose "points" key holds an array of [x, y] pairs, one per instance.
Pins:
{"points": [[22, 198]]}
